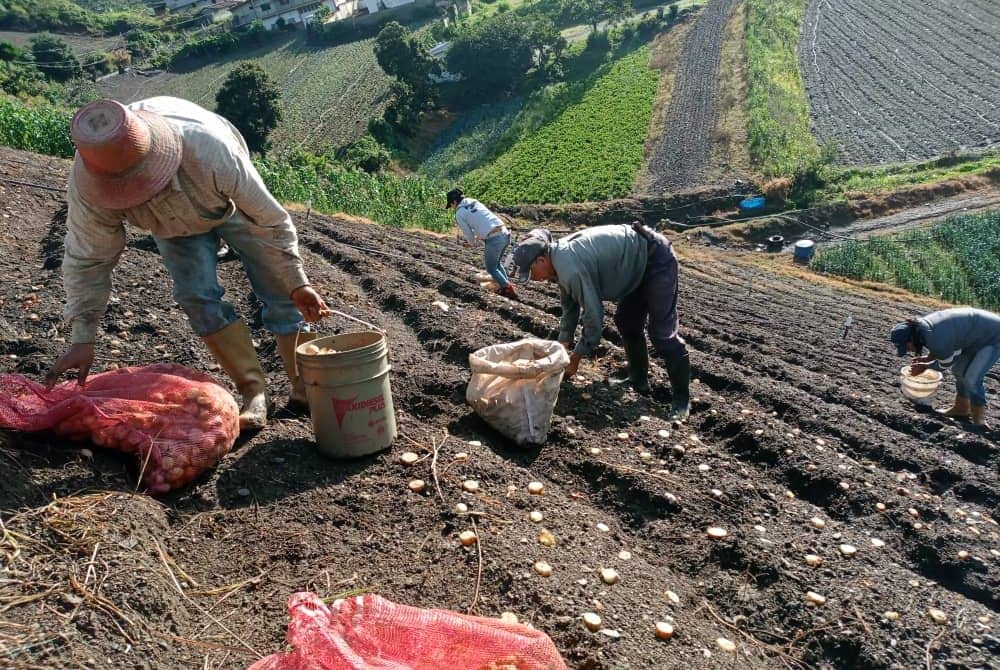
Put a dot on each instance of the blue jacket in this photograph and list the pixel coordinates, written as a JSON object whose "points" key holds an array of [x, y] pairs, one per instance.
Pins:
{"points": [[950, 332]]}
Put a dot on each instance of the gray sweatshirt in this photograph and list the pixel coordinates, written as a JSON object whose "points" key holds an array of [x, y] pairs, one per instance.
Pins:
{"points": [[596, 264], [949, 332]]}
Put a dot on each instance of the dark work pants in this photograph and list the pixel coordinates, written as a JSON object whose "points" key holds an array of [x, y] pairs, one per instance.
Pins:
{"points": [[656, 299]]}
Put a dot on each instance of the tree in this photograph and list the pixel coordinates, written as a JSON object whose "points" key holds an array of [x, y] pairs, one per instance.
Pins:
{"points": [[54, 58], [493, 54], [250, 99], [404, 56], [596, 11]]}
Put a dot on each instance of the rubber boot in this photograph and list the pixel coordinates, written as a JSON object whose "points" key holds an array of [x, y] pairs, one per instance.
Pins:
{"points": [[638, 364], [960, 410], [286, 349], [233, 349], [978, 414], [679, 371]]}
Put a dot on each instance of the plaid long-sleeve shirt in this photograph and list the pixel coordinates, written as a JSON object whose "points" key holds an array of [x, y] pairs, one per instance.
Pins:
{"points": [[215, 179]]}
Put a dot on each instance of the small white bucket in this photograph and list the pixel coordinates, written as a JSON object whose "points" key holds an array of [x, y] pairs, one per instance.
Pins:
{"points": [[349, 395], [922, 388]]}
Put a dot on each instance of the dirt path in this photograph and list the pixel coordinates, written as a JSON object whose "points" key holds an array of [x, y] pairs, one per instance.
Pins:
{"points": [[903, 80], [921, 216], [790, 422], [681, 158]]}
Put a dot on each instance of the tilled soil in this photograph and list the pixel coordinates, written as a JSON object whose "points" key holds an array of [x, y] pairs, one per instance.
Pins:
{"points": [[681, 157], [903, 80], [791, 421]]}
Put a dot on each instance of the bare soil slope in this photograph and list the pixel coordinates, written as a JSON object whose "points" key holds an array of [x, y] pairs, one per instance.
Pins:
{"points": [[892, 81], [792, 421]]}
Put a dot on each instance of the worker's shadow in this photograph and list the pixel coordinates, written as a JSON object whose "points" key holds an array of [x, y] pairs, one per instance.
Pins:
{"points": [[471, 427], [265, 468]]}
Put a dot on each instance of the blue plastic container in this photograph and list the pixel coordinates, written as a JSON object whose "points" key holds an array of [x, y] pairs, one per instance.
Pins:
{"points": [[751, 206], [804, 250]]}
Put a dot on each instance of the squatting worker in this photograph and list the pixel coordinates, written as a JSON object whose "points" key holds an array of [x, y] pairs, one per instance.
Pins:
{"points": [[964, 339], [183, 174], [631, 265], [477, 222]]}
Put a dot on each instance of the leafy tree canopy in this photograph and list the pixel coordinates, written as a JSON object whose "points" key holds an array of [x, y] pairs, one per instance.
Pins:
{"points": [[251, 100], [493, 54]]}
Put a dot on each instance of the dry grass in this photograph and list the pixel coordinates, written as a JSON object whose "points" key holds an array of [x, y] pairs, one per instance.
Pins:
{"points": [[730, 152]]}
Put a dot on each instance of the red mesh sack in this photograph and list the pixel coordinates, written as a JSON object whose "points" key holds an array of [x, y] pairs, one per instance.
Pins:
{"points": [[179, 422], [372, 633]]}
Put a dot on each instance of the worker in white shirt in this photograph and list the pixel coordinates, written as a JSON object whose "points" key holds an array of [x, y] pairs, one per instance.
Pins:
{"points": [[477, 223]]}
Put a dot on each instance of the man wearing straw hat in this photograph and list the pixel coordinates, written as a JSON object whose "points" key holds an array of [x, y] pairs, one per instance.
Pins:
{"points": [[183, 174]]}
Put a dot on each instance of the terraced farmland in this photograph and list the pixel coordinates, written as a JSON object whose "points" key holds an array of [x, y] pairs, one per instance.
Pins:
{"points": [[328, 93], [902, 80]]}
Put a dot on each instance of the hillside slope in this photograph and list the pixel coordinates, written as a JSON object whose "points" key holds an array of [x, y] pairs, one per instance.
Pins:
{"points": [[791, 421], [328, 93]]}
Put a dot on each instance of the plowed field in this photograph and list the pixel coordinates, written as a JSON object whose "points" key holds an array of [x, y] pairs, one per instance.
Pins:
{"points": [[894, 81], [792, 421], [682, 156]]}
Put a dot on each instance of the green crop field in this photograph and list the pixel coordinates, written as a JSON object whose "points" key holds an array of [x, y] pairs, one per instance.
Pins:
{"points": [[328, 93], [470, 141], [957, 260], [80, 44], [37, 128], [589, 151]]}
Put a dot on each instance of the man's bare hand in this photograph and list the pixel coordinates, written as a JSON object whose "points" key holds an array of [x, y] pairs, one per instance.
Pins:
{"points": [[309, 302], [79, 357], [917, 367], [574, 365]]}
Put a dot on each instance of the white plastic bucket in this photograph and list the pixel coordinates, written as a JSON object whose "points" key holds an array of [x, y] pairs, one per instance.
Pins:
{"points": [[920, 389], [349, 395]]}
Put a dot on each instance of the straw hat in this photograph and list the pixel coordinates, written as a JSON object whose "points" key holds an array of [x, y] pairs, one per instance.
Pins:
{"points": [[123, 157]]}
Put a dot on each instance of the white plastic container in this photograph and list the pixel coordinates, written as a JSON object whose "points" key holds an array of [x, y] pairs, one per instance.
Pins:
{"points": [[920, 389], [349, 395]]}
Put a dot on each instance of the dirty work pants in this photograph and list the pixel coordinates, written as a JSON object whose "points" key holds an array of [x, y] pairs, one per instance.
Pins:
{"points": [[192, 263], [495, 248], [970, 369], [655, 298]]}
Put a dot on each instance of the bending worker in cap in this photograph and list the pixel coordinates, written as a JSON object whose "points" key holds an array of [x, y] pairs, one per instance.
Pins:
{"points": [[184, 174], [964, 339], [477, 222], [631, 265]]}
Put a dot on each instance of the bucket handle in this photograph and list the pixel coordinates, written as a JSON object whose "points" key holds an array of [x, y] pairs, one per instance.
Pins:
{"points": [[295, 350]]}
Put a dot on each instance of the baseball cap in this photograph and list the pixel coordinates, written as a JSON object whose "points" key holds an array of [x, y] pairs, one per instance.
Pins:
{"points": [[900, 335], [525, 254]]}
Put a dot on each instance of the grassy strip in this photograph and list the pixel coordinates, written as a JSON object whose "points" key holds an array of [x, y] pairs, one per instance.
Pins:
{"points": [[850, 181], [957, 260], [780, 132], [590, 151], [38, 128]]}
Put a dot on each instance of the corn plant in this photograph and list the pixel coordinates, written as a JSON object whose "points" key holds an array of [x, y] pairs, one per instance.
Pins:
{"points": [[957, 260], [37, 128]]}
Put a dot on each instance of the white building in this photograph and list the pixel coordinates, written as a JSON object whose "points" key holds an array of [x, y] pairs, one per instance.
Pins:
{"points": [[278, 13], [375, 6]]}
